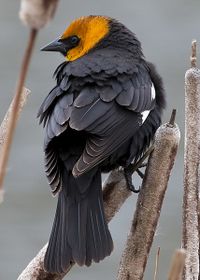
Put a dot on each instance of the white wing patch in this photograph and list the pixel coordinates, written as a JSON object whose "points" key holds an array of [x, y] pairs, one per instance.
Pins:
{"points": [[153, 93], [146, 112], [145, 115]]}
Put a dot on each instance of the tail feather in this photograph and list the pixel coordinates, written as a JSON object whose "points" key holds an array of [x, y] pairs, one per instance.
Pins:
{"points": [[80, 233], [99, 239], [53, 261], [77, 231], [64, 252]]}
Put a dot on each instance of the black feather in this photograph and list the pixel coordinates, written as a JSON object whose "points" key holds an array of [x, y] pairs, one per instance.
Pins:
{"points": [[79, 232], [82, 118], [85, 97], [107, 94]]}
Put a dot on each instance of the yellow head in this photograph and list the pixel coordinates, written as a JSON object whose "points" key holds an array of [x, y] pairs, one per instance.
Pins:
{"points": [[80, 37]]}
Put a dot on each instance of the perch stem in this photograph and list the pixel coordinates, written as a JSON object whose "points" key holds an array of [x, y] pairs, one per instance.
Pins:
{"points": [[13, 118], [190, 233], [156, 265], [177, 265], [134, 258], [4, 126], [173, 117], [193, 58]]}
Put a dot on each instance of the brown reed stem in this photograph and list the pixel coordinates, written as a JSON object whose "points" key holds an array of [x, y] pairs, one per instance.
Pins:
{"points": [[190, 233], [4, 125], [134, 258], [156, 265], [178, 261], [13, 117]]}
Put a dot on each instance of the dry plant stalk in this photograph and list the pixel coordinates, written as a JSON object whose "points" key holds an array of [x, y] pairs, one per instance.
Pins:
{"points": [[190, 238], [4, 125], [149, 203], [13, 116], [193, 58], [177, 266], [114, 194], [37, 13], [156, 264], [35, 270]]}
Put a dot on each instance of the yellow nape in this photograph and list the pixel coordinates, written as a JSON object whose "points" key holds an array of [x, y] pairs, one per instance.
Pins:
{"points": [[90, 30]]}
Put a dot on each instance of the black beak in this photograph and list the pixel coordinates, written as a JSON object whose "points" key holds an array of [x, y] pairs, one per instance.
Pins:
{"points": [[56, 46]]}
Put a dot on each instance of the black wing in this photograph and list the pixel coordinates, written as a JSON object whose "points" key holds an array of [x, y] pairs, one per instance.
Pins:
{"points": [[109, 110], [111, 114]]}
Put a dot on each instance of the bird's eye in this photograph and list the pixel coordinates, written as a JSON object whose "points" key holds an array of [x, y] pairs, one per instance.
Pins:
{"points": [[74, 40]]}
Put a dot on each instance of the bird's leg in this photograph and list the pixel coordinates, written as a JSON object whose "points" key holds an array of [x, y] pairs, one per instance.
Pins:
{"points": [[139, 172], [143, 165], [128, 177], [129, 170]]}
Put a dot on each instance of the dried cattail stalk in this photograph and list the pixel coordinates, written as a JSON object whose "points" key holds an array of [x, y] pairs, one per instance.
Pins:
{"points": [[156, 264], [17, 97], [178, 261], [190, 239], [5, 124], [37, 13], [149, 203], [193, 57], [115, 193], [35, 270]]}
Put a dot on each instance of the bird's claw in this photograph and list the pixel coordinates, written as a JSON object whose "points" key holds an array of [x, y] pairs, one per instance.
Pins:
{"points": [[128, 178], [133, 189], [140, 173]]}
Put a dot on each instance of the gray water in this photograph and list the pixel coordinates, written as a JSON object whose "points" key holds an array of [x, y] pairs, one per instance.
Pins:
{"points": [[165, 29]]}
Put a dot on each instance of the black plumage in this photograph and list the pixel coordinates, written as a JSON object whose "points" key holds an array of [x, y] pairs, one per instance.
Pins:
{"points": [[94, 123]]}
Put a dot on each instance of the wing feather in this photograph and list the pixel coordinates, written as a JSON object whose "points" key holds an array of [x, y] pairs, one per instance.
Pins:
{"points": [[98, 148], [82, 118], [110, 111], [112, 118], [85, 97]]}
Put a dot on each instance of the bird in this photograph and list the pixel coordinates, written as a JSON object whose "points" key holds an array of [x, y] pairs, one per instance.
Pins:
{"points": [[102, 114]]}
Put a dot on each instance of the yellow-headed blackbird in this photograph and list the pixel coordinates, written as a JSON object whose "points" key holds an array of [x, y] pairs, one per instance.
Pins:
{"points": [[102, 114]]}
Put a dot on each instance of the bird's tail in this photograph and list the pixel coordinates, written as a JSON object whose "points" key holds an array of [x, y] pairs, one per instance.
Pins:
{"points": [[80, 233]]}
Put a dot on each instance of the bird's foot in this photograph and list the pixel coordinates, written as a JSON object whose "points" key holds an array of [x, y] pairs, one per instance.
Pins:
{"points": [[128, 178], [129, 170], [139, 172]]}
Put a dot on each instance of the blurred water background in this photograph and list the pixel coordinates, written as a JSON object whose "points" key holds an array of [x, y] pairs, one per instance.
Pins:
{"points": [[165, 29]]}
